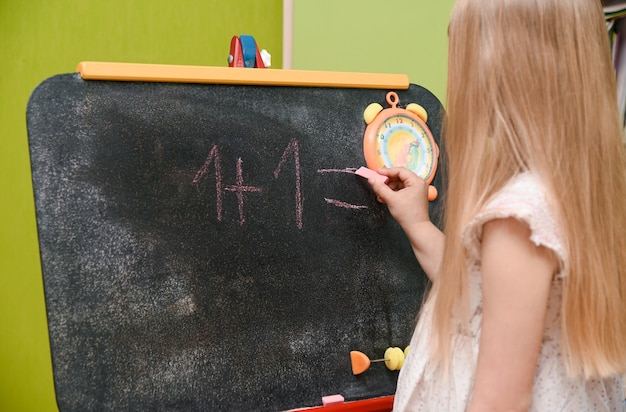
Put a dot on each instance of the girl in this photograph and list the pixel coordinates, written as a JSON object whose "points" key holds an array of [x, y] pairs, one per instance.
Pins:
{"points": [[528, 303]]}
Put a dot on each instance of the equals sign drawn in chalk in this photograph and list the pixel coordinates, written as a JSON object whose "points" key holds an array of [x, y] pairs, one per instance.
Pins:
{"points": [[367, 173]]}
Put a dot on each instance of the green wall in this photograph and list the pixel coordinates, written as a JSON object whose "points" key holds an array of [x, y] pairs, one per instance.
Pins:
{"points": [[41, 38], [392, 36]]}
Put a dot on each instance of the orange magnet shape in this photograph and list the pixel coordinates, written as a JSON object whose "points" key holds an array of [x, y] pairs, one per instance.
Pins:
{"points": [[360, 362]]}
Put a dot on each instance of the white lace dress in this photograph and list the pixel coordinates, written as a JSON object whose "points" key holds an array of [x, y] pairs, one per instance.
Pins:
{"points": [[418, 387]]}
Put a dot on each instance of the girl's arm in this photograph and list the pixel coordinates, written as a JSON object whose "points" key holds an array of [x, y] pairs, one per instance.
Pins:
{"points": [[406, 196], [516, 280]]}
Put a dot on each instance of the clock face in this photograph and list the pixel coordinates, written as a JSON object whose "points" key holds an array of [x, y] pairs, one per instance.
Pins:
{"points": [[401, 139]]}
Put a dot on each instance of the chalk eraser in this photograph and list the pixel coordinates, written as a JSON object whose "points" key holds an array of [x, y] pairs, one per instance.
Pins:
{"points": [[332, 400], [367, 173]]}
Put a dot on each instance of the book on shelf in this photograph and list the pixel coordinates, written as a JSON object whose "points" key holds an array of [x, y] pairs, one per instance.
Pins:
{"points": [[619, 60], [615, 16], [613, 7]]}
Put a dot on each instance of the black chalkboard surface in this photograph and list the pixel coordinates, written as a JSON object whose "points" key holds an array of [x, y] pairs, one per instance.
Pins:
{"points": [[208, 247]]}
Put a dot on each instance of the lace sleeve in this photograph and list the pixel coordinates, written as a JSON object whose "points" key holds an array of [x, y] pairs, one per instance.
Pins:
{"points": [[524, 199]]}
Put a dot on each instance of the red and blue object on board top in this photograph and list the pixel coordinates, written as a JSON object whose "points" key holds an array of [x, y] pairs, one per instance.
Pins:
{"points": [[244, 52]]}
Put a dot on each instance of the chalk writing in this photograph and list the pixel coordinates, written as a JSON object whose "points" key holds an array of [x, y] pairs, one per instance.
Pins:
{"points": [[345, 205], [239, 188], [336, 202], [293, 148], [346, 170], [213, 157]]}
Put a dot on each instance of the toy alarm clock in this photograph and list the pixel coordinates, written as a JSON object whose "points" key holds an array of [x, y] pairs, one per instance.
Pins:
{"points": [[398, 137]]}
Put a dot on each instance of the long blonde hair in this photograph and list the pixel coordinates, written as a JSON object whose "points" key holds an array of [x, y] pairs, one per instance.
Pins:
{"points": [[531, 87]]}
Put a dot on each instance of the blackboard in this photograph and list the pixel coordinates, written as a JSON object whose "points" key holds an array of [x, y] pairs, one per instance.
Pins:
{"points": [[208, 247]]}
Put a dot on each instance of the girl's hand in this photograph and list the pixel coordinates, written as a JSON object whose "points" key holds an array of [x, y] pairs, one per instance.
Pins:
{"points": [[406, 196]]}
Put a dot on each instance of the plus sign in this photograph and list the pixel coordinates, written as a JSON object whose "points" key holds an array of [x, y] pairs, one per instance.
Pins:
{"points": [[240, 188]]}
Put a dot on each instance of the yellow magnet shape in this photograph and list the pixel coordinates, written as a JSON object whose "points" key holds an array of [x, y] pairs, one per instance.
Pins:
{"points": [[394, 358]]}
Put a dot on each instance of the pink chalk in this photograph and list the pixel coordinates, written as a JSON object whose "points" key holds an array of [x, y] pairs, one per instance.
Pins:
{"points": [[332, 400], [367, 173]]}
